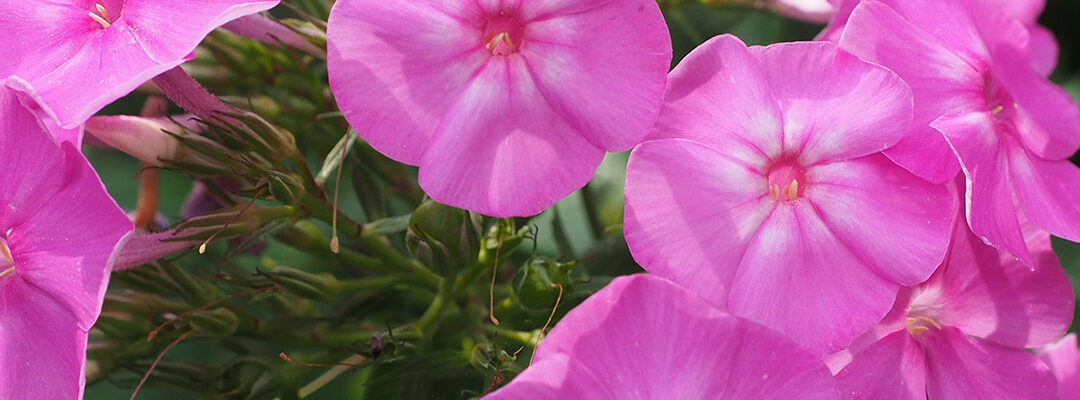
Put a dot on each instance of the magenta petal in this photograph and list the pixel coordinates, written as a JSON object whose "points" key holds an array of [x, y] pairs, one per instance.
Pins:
{"points": [[396, 67], [644, 337], [992, 295], [1047, 118], [941, 82], [28, 159], [869, 203], [43, 35], [42, 348], [63, 252], [720, 91], [799, 279], [501, 151], [991, 211], [691, 212], [169, 30], [1044, 50], [961, 367], [1049, 192], [603, 70], [818, 85], [894, 368], [1063, 358], [109, 66]]}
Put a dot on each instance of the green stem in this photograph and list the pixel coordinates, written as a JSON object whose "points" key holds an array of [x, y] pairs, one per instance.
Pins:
{"points": [[525, 338], [429, 321]]}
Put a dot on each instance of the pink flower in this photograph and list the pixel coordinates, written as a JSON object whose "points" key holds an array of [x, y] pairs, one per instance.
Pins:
{"points": [[962, 334], [58, 229], [76, 56], [642, 337], [1063, 358], [761, 189], [977, 99], [1044, 47], [505, 106]]}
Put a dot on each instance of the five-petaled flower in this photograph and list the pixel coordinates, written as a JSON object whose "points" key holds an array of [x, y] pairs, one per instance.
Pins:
{"points": [[762, 189], [506, 107], [979, 100]]}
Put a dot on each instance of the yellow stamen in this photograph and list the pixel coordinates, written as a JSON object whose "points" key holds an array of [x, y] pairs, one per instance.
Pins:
{"points": [[998, 110], [7, 272], [104, 12], [7, 253], [774, 190], [102, 17], [792, 191], [102, 21], [496, 41]]}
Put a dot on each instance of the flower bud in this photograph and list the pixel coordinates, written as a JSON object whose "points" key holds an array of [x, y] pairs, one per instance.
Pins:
{"points": [[219, 322], [305, 284], [536, 285], [443, 237]]}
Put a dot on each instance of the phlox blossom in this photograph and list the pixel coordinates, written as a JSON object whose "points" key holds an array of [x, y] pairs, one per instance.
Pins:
{"points": [[77, 56], [642, 337], [962, 334], [506, 106], [58, 230], [762, 188], [978, 100], [1044, 48]]}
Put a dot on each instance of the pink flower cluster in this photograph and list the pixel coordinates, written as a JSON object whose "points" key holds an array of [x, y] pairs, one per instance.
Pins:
{"points": [[864, 217], [884, 200]]}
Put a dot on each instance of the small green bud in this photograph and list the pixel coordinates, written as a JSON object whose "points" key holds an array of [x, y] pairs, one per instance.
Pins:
{"points": [[443, 237], [219, 322], [305, 284], [537, 283]]}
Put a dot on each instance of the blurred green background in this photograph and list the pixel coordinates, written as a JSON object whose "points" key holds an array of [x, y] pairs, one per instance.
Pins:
{"points": [[564, 230]]}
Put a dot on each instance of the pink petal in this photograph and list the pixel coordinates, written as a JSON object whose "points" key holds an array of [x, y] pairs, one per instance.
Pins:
{"points": [[642, 336], [28, 159], [992, 295], [691, 212], [65, 247], [1063, 358], [109, 66], [991, 212], [870, 204], [43, 34], [941, 81], [396, 68], [892, 368], [1049, 191], [718, 95], [502, 151], [838, 21], [169, 30], [819, 86], [953, 23], [1047, 119], [1044, 50], [829, 296], [42, 348], [961, 367], [603, 70]]}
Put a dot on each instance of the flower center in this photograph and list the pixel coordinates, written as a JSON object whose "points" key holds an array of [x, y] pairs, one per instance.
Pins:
{"points": [[923, 313], [998, 99], [503, 33], [100, 14], [7, 264], [784, 177]]}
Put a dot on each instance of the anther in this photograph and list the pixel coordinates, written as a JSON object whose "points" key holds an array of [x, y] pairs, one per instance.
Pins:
{"points": [[500, 44], [102, 17], [997, 110]]}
